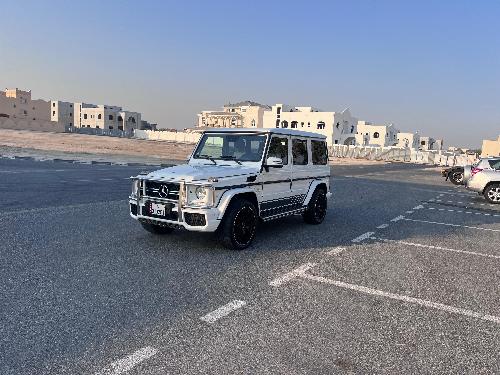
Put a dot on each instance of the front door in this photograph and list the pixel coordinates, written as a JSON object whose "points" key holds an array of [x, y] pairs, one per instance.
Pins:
{"points": [[276, 182]]}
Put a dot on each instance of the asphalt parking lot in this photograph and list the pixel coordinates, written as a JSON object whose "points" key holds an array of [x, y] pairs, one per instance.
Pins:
{"points": [[402, 277]]}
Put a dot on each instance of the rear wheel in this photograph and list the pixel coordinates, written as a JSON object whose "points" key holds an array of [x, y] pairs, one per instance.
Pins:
{"points": [[239, 226], [492, 193], [316, 209], [456, 177], [157, 229]]}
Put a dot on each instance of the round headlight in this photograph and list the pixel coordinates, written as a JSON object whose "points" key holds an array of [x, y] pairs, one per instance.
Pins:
{"points": [[201, 192]]}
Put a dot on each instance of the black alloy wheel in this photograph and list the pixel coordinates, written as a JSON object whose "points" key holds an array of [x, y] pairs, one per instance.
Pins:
{"points": [[316, 209], [239, 225]]}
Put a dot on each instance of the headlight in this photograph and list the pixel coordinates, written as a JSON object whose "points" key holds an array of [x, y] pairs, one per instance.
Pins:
{"points": [[135, 187], [199, 195]]}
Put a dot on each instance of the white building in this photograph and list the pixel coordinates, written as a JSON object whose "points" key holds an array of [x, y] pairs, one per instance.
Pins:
{"points": [[245, 114], [369, 134], [428, 143], [408, 140], [108, 117], [338, 127], [62, 112]]}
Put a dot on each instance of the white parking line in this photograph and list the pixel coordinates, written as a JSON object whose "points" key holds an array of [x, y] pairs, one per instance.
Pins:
{"points": [[336, 251], [291, 275], [222, 311], [397, 218], [452, 225], [126, 364], [418, 207], [441, 248], [363, 237], [403, 298], [382, 226]]}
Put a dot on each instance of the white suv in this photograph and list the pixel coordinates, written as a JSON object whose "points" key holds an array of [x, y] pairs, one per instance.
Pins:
{"points": [[234, 179]]}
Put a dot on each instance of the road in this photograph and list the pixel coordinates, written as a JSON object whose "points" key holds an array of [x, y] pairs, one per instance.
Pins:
{"points": [[402, 277]]}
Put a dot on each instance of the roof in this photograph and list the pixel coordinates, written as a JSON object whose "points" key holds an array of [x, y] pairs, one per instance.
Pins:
{"points": [[247, 103], [262, 130]]}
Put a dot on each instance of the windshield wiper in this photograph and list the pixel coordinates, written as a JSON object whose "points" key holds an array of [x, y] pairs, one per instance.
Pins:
{"points": [[229, 157], [208, 158]]}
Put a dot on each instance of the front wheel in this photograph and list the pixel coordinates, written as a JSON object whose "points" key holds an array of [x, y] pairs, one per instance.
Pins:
{"points": [[240, 225], [157, 229], [316, 209], [492, 193]]}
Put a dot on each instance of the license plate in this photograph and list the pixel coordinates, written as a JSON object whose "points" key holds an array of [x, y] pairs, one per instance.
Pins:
{"points": [[157, 209]]}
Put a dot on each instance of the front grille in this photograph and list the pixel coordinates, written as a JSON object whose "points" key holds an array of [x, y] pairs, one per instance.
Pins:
{"points": [[165, 190]]}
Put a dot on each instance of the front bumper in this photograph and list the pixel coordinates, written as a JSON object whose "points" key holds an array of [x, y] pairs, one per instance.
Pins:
{"points": [[205, 219]]}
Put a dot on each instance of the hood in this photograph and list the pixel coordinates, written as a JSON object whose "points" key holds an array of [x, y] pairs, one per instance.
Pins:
{"points": [[190, 173]]}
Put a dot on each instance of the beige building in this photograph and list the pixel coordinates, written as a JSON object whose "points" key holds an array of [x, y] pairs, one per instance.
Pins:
{"points": [[369, 134], [245, 114], [338, 127], [408, 140], [62, 112], [491, 147], [18, 104], [107, 117]]}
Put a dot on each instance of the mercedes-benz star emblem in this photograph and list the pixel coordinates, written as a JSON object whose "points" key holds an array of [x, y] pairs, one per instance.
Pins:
{"points": [[163, 191]]}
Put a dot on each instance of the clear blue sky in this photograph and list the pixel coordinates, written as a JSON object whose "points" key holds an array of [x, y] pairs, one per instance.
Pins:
{"points": [[431, 66]]}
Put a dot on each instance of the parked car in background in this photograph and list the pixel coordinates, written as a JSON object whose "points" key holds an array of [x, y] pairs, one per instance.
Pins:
{"points": [[490, 163], [454, 174], [486, 181], [234, 179]]}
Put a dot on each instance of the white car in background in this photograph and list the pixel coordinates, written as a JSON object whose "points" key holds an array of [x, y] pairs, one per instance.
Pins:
{"points": [[234, 179], [485, 179], [489, 163]]}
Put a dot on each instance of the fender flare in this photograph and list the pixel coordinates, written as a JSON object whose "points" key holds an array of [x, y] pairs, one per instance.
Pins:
{"points": [[312, 188], [228, 195]]}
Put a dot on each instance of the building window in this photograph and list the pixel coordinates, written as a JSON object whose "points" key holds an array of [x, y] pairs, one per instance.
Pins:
{"points": [[34, 119], [284, 124], [321, 125], [279, 110], [253, 123], [308, 124], [336, 141], [14, 105], [85, 116], [277, 123], [120, 127], [111, 118], [110, 128], [338, 125], [352, 129], [71, 114], [376, 135], [120, 118], [71, 106], [25, 112], [53, 113], [131, 119], [301, 124], [97, 127], [293, 124], [422, 143], [53, 104], [99, 117]]}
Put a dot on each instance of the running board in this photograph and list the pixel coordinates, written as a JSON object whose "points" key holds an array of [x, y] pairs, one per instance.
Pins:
{"points": [[283, 214]]}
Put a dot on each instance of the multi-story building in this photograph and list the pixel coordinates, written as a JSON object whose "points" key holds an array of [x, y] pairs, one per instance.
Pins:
{"points": [[18, 104], [239, 115], [428, 143], [369, 134], [62, 112], [491, 147], [408, 140], [338, 127], [107, 117]]}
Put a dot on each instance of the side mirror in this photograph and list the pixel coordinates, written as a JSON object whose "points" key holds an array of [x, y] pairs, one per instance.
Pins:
{"points": [[273, 162]]}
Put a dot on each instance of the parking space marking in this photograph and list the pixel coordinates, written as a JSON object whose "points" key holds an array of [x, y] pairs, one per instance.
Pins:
{"points": [[403, 298], [363, 237], [452, 225], [382, 226], [397, 218], [419, 207], [292, 275], [336, 251], [222, 311], [129, 362], [440, 248], [409, 212]]}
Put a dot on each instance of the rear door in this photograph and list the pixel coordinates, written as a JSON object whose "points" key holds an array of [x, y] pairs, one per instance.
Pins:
{"points": [[301, 168], [276, 189]]}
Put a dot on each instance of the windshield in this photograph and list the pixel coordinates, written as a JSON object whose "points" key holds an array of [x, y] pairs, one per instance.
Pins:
{"points": [[237, 147]]}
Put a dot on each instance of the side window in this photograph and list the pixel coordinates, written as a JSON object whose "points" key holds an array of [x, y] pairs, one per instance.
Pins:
{"points": [[319, 152], [299, 151], [495, 164], [279, 149]]}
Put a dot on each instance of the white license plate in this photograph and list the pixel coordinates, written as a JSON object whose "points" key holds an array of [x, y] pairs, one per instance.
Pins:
{"points": [[157, 209]]}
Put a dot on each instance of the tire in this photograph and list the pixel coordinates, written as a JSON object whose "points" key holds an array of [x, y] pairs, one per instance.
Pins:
{"points": [[492, 193], [239, 225], [157, 229], [456, 177], [316, 209]]}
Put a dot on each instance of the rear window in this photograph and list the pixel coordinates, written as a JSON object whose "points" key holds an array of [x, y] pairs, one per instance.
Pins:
{"points": [[299, 151], [494, 164], [319, 152]]}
